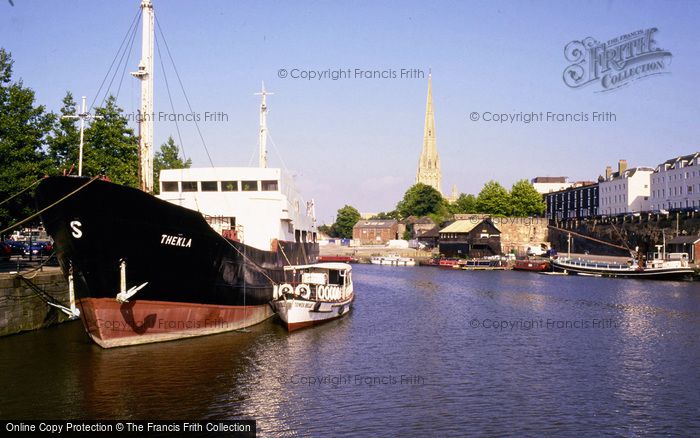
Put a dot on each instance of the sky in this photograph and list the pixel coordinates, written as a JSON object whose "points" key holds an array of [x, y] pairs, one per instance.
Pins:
{"points": [[357, 140]]}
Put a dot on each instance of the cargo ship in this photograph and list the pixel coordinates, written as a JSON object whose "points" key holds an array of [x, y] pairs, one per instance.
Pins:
{"points": [[202, 257]]}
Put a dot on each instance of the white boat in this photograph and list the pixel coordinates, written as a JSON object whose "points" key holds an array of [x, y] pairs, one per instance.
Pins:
{"points": [[393, 260], [313, 294]]}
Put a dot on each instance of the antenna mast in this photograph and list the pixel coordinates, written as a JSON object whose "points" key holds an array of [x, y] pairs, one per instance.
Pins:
{"points": [[262, 140], [82, 115], [145, 75]]}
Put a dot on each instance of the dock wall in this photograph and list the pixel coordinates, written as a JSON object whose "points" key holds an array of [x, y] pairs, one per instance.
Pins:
{"points": [[20, 307]]}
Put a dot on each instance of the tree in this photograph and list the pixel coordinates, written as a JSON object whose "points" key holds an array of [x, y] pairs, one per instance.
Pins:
{"points": [[346, 219], [494, 199], [393, 214], [525, 200], [111, 148], [464, 204], [64, 142], [421, 200], [167, 158], [23, 130]]}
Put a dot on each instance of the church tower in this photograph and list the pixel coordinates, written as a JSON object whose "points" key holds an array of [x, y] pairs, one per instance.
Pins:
{"points": [[429, 172]]}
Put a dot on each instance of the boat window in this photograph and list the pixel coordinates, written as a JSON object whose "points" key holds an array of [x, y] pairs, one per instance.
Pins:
{"points": [[229, 186], [169, 186], [189, 186], [269, 186], [210, 186], [249, 186]]}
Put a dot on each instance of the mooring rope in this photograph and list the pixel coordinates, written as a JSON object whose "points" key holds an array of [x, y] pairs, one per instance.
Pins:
{"points": [[22, 191], [27, 219]]}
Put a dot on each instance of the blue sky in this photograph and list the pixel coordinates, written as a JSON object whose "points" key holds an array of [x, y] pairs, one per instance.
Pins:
{"points": [[357, 141]]}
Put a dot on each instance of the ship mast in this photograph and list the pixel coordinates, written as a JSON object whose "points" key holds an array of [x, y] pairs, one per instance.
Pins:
{"points": [[262, 140], [145, 75]]}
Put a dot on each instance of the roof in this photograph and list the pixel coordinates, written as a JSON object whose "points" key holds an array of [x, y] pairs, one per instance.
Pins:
{"points": [[462, 226], [433, 232], [549, 179], [683, 240], [424, 220], [376, 224], [673, 161], [327, 265]]}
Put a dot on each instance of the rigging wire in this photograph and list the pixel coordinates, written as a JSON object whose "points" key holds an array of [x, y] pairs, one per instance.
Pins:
{"points": [[189, 105], [170, 97], [116, 70], [128, 32], [126, 62]]}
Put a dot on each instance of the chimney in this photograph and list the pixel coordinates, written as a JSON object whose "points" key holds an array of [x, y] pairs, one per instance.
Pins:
{"points": [[621, 166], [608, 172]]}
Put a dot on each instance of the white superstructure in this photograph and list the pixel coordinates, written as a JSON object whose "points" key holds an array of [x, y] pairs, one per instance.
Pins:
{"points": [[675, 184], [257, 204]]}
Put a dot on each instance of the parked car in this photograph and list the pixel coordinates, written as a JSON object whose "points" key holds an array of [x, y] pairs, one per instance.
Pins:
{"points": [[5, 252], [16, 247], [38, 248]]}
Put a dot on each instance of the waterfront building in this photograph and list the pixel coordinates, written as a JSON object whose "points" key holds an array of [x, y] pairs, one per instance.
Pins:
{"points": [[429, 171], [549, 184], [576, 202], [470, 238], [624, 191], [675, 183], [375, 232], [417, 225]]}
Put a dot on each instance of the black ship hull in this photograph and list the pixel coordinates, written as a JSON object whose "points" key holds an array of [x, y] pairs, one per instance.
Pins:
{"points": [[194, 281]]}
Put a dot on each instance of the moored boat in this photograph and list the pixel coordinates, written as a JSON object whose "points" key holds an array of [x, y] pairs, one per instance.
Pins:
{"points": [[313, 294], [658, 266], [532, 265], [202, 257], [393, 260]]}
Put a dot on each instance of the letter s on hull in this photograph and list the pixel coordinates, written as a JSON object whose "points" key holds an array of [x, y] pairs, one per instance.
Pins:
{"points": [[77, 232]]}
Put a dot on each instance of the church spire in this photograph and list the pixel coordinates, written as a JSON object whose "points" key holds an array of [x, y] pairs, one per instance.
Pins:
{"points": [[429, 164]]}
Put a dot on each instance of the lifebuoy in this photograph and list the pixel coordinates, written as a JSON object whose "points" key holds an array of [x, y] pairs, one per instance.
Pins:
{"points": [[320, 292], [303, 291], [285, 289]]}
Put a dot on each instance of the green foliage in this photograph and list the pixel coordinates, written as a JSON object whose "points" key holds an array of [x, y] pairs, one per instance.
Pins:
{"points": [[64, 142], [23, 130], [421, 200], [393, 214], [346, 219], [525, 201], [464, 204], [167, 158], [494, 200], [326, 229], [111, 148]]}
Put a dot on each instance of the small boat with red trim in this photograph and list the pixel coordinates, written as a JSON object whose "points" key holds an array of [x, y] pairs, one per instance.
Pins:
{"points": [[313, 294], [537, 265]]}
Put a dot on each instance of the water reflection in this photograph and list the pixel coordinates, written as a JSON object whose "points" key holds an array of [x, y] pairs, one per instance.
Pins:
{"points": [[527, 365]]}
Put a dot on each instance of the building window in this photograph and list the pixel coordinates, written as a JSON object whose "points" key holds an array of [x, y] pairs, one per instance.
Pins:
{"points": [[189, 186], [229, 186], [249, 186], [169, 186], [210, 186], [269, 186]]}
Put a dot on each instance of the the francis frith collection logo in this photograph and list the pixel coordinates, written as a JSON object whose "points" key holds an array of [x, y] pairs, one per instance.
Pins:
{"points": [[617, 62]]}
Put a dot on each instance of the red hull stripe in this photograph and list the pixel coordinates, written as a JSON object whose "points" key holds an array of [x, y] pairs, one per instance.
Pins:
{"points": [[111, 324]]}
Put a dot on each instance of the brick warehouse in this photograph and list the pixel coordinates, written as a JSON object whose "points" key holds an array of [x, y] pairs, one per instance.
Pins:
{"points": [[375, 232]]}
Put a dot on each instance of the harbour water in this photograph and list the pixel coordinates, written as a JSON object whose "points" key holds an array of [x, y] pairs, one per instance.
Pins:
{"points": [[424, 351]]}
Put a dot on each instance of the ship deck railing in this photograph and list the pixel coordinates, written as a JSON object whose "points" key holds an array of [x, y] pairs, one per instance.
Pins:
{"points": [[596, 265]]}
